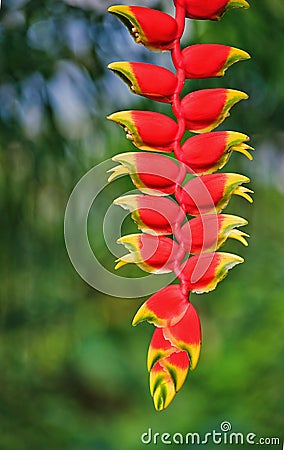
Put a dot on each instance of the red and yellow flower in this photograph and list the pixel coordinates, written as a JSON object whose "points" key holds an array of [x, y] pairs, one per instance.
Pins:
{"points": [[210, 60], [153, 82], [204, 110], [153, 254], [211, 193], [205, 153], [165, 308], [151, 173], [191, 251], [154, 29], [139, 126], [186, 335], [207, 233], [201, 273], [159, 348], [210, 9], [151, 217]]}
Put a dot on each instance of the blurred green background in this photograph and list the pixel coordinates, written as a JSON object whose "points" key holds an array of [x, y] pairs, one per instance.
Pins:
{"points": [[73, 374]]}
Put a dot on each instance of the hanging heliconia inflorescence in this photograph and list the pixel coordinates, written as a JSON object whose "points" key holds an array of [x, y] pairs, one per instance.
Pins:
{"points": [[179, 210]]}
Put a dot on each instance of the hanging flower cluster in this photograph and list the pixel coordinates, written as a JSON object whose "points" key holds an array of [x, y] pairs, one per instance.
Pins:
{"points": [[179, 210]]}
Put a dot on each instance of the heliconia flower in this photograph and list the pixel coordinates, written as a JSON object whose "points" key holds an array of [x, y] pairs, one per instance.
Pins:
{"points": [[147, 130], [153, 254], [165, 308], [167, 377], [173, 189], [149, 80], [151, 173], [186, 334], [205, 109], [152, 216], [205, 153], [211, 193], [201, 273], [210, 9], [154, 29], [207, 233], [210, 60]]}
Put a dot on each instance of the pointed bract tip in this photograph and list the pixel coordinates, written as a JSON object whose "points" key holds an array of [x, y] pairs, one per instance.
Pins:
{"points": [[240, 54], [237, 136], [163, 395], [120, 116], [243, 148], [239, 236], [127, 157], [143, 314], [243, 192], [116, 65], [124, 70], [239, 4], [127, 202], [116, 172], [120, 264], [130, 241], [236, 178], [229, 220], [244, 55], [118, 9], [235, 95], [229, 260]]}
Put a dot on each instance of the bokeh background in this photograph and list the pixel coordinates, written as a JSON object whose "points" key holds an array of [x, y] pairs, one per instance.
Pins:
{"points": [[73, 373]]}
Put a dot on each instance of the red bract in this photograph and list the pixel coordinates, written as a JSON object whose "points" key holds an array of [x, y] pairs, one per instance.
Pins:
{"points": [[159, 348], [210, 60], [207, 233], [156, 254], [177, 365], [154, 29], [153, 82], [190, 252], [209, 194], [186, 335], [208, 152], [147, 130], [150, 216], [204, 110], [165, 308], [202, 273], [151, 173], [210, 9]]}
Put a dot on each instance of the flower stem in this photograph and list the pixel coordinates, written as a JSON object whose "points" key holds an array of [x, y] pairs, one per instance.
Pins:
{"points": [[176, 105]]}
